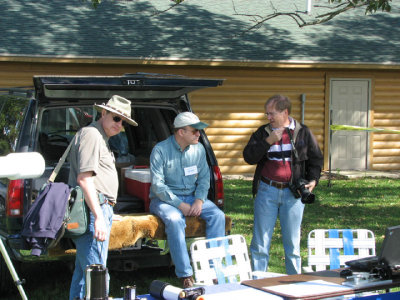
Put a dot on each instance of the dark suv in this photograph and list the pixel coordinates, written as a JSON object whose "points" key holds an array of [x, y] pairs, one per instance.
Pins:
{"points": [[45, 119]]}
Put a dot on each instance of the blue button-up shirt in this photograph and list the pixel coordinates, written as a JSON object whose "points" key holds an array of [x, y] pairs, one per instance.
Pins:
{"points": [[174, 173]]}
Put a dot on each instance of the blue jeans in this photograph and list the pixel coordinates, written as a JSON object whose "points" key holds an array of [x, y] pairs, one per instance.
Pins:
{"points": [[270, 203], [175, 225], [89, 251]]}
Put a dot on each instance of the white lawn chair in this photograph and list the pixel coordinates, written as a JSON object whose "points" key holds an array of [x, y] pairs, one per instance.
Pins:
{"points": [[331, 248], [223, 260]]}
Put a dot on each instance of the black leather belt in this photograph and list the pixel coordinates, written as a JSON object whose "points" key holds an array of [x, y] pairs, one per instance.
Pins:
{"points": [[278, 185]]}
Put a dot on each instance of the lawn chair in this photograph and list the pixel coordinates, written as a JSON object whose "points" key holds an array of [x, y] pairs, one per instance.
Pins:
{"points": [[223, 260], [331, 248]]}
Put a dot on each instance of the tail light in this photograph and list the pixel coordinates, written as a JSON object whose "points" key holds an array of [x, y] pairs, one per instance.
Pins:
{"points": [[219, 187], [15, 198]]}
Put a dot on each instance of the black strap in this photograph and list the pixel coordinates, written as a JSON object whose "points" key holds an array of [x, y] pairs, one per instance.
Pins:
{"points": [[292, 142]]}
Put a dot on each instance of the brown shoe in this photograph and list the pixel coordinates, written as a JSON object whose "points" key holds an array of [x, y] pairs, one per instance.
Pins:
{"points": [[187, 282]]}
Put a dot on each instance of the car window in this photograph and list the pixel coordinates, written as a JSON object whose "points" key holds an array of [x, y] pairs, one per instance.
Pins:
{"points": [[154, 125], [12, 110], [57, 127], [66, 121]]}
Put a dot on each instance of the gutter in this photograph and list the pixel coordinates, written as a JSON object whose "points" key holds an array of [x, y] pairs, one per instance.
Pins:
{"points": [[195, 62]]}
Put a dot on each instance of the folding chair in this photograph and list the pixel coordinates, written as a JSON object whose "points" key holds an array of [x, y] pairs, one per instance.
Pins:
{"points": [[331, 248], [223, 260]]}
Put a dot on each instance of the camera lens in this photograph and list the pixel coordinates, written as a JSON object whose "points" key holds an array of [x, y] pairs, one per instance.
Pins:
{"points": [[306, 196]]}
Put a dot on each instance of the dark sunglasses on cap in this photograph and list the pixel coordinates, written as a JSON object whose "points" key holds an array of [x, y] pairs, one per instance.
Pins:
{"points": [[116, 119]]}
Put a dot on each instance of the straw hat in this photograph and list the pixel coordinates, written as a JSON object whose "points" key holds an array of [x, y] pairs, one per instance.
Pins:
{"points": [[119, 106]]}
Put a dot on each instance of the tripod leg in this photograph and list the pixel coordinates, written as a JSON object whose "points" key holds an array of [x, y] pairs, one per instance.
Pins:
{"points": [[14, 274]]}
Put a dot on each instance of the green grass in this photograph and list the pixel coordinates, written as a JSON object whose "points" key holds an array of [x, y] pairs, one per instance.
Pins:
{"points": [[361, 203]]}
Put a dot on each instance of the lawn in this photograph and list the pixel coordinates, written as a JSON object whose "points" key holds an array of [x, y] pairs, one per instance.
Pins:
{"points": [[360, 203]]}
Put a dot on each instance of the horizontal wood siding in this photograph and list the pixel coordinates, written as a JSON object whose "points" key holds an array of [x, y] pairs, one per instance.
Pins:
{"points": [[386, 114], [236, 109]]}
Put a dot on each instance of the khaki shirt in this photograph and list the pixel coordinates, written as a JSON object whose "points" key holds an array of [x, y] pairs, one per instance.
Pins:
{"points": [[91, 152]]}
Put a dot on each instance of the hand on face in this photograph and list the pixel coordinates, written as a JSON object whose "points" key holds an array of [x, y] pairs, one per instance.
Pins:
{"points": [[275, 136]]}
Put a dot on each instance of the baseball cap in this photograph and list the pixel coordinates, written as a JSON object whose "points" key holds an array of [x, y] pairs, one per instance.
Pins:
{"points": [[188, 119]]}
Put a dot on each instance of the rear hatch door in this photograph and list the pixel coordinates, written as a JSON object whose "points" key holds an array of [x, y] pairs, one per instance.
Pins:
{"points": [[139, 86]]}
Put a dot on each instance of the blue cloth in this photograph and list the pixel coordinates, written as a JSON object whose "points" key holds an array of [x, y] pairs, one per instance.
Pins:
{"points": [[167, 167], [387, 296], [89, 251], [348, 245], [334, 252], [44, 218], [270, 203], [171, 184]]}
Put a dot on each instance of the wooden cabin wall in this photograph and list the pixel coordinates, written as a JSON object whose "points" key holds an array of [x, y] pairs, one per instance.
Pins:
{"points": [[236, 109], [386, 114]]}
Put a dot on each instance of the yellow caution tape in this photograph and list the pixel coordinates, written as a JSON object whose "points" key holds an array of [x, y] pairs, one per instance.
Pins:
{"points": [[359, 128]]}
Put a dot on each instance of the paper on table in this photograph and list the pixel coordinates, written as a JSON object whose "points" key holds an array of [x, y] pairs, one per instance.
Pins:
{"points": [[249, 293], [307, 288]]}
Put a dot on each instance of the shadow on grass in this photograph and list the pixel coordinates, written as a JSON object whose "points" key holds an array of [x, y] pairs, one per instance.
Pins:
{"points": [[360, 203], [364, 203]]}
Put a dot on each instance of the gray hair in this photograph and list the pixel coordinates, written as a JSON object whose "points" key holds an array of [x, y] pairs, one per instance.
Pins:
{"points": [[280, 102]]}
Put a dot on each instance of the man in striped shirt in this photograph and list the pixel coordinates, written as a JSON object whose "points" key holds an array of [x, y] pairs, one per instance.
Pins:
{"points": [[285, 151]]}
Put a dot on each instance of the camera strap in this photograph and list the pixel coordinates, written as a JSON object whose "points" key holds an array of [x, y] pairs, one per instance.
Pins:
{"points": [[292, 142], [293, 150]]}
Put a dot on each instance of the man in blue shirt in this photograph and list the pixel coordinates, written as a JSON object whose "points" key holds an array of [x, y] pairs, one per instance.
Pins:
{"points": [[180, 179]]}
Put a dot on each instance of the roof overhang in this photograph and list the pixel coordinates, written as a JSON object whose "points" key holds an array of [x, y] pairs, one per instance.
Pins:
{"points": [[295, 64]]}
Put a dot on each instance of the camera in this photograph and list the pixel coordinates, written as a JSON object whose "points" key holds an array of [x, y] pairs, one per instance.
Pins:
{"points": [[300, 191]]}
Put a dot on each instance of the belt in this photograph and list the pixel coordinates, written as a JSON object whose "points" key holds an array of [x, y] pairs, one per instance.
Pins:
{"points": [[111, 203], [278, 185], [104, 199]]}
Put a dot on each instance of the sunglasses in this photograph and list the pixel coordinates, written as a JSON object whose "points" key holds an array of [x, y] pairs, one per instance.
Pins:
{"points": [[194, 131], [117, 119]]}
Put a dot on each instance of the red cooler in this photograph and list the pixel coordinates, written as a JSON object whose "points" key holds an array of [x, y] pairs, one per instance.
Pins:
{"points": [[137, 183]]}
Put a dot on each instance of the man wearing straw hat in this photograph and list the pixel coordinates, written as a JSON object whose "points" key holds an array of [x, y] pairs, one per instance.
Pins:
{"points": [[93, 169]]}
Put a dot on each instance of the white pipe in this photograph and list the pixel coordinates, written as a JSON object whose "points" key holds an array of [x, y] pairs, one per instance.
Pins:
{"points": [[22, 165]]}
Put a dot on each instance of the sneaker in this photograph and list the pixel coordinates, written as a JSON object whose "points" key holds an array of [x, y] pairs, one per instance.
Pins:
{"points": [[187, 282]]}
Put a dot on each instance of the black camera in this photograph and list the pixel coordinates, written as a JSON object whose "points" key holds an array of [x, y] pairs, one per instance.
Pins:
{"points": [[300, 191]]}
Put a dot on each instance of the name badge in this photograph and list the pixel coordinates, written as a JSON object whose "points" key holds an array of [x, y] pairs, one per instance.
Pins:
{"points": [[190, 170]]}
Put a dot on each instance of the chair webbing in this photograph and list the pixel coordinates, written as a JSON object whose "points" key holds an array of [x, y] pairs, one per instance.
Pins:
{"points": [[348, 246], [220, 265]]}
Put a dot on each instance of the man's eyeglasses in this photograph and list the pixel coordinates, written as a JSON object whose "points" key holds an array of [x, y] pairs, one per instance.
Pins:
{"points": [[271, 114], [116, 119]]}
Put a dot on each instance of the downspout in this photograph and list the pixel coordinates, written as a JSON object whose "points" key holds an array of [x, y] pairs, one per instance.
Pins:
{"points": [[303, 104], [309, 7]]}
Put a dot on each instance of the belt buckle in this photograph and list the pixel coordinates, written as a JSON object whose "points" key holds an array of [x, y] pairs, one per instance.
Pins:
{"points": [[277, 184]]}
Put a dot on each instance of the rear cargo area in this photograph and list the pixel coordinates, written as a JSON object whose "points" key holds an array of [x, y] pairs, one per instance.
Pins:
{"points": [[131, 148]]}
